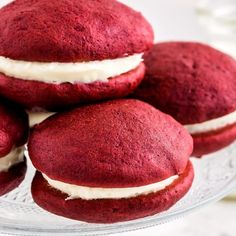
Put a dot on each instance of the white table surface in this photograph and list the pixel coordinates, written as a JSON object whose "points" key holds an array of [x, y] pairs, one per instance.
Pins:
{"points": [[176, 20]]}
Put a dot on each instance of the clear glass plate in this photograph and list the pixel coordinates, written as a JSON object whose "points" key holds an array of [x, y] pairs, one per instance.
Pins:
{"points": [[215, 177]]}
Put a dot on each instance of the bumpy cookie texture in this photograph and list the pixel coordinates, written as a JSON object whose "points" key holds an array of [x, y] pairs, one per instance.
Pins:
{"points": [[12, 178], [110, 210], [190, 81], [13, 126], [71, 30], [54, 97], [212, 141], [120, 143]]}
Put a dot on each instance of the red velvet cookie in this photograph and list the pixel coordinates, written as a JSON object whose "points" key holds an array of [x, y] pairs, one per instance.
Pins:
{"points": [[11, 179], [13, 135], [114, 145], [196, 85], [13, 126], [72, 34]]}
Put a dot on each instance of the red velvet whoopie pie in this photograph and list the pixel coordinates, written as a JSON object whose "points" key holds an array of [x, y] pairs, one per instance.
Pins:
{"points": [[195, 84], [13, 136], [55, 54], [115, 161]]}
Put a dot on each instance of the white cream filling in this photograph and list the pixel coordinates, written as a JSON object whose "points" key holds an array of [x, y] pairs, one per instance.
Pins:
{"points": [[214, 124], [91, 193], [38, 117], [56, 72], [14, 157]]}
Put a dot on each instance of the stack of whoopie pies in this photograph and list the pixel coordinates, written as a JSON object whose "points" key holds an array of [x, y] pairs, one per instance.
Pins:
{"points": [[106, 161]]}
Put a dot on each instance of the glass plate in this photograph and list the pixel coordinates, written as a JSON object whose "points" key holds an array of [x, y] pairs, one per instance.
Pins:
{"points": [[215, 177]]}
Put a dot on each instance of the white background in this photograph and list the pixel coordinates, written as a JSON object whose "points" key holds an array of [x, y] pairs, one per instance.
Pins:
{"points": [[171, 19]]}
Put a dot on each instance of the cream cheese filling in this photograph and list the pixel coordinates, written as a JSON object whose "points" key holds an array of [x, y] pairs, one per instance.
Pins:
{"points": [[14, 157], [91, 193], [213, 124], [56, 72], [38, 117]]}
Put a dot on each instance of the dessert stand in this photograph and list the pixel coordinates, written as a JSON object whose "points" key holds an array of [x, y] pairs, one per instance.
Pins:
{"points": [[215, 177]]}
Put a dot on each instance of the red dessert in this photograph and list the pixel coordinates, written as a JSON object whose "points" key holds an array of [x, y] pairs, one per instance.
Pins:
{"points": [[195, 84], [67, 32], [114, 145], [12, 178], [13, 135]]}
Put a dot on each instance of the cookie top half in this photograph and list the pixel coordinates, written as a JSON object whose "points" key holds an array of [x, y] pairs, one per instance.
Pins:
{"points": [[191, 81], [119, 143], [72, 30]]}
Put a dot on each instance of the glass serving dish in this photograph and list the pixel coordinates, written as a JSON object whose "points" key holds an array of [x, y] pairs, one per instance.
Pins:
{"points": [[215, 177]]}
